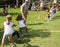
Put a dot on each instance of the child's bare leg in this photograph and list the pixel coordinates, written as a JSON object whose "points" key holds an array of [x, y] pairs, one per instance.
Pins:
{"points": [[25, 21], [13, 44], [12, 41], [26, 29], [20, 30], [16, 33], [3, 42]]}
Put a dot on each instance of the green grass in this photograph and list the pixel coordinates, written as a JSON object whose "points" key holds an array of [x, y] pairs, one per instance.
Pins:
{"points": [[42, 33]]}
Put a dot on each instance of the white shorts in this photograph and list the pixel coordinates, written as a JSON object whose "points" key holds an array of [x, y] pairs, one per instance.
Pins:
{"points": [[51, 14], [9, 36]]}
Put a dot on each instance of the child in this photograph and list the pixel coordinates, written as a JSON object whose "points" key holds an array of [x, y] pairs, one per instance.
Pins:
{"points": [[21, 24], [5, 11], [17, 34], [52, 12], [48, 14], [48, 17], [8, 31]]}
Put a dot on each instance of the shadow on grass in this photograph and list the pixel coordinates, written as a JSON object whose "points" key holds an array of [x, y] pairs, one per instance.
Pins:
{"points": [[1, 14], [14, 14], [10, 13], [24, 40], [1, 35], [42, 33], [29, 45], [56, 17], [35, 24]]}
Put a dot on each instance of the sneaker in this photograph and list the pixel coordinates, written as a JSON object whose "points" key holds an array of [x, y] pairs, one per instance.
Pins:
{"points": [[14, 45]]}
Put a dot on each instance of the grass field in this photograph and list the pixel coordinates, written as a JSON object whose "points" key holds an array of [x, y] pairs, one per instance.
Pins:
{"points": [[42, 33]]}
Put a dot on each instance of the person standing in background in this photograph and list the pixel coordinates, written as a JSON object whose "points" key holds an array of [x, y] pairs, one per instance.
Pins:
{"points": [[24, 10], [42, 5]]}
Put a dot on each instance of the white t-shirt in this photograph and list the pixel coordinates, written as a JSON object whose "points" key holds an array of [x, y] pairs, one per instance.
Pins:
{"points": [[21, 24], [51, 13], [8, 28]]}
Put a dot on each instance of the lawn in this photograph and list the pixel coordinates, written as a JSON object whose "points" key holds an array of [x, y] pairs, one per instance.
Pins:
{"points": [[41, 32]]}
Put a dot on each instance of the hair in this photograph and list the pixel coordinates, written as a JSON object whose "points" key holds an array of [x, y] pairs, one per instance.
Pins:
{"points": [[50, 6], [48, 9], [19, 17], [8, 17]]}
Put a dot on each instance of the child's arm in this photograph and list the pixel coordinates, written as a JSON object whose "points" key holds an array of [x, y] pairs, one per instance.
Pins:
{"points": [[14, 25], [22, 11], [23, 17]]}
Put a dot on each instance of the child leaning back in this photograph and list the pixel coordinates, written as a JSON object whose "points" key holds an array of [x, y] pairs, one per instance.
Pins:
{"points": [[21, 24], [8, 31]]}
